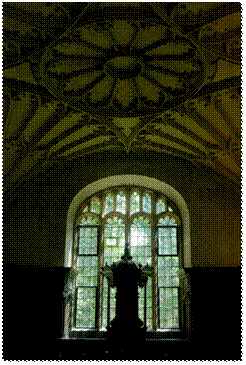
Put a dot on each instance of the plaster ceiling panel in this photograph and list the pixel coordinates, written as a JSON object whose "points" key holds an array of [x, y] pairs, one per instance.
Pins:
{"points": [[228, 162], [166, 142], [190, 125], [21, 109], [126, 124], [43, 113], [22, 72], [208, 112], [192, 15], [228, 103], [87, 145], [76, 136], [167, 129], [64, 124], [226, 70]]}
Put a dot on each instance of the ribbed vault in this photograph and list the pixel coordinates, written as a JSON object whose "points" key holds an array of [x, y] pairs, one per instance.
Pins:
{"points": [[168, 83]]}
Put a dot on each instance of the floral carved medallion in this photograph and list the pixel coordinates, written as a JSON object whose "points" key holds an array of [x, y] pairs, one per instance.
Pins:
{"points": [[123, 68]]}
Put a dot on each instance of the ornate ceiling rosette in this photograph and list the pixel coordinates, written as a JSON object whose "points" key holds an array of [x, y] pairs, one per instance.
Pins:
{"points": [[123, 68]]}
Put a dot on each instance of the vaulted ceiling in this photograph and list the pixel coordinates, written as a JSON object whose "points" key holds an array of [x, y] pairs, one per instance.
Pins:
{"points": [[82, 78]]}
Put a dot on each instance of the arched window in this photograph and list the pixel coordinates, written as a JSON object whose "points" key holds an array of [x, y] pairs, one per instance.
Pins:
{"points": [[152, 224]]}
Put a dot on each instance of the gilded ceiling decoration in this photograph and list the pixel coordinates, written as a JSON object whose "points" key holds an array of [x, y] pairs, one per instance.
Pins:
{"points": [[83, 78]]}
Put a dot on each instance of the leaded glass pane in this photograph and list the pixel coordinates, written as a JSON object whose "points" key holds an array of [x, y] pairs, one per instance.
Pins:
{"points": [[86, 305], [109, 203], [141, 240], [112, 303], [87, 240], [146, 201], [167, 241], [160, 206], [141, 253], [168, 271], [168, 308], [86, 209], [95, 205], [87, 267], [121, 202], [149, 305], [105, 304], [114, 240], [134, 203], [141, 303], [170, 209]]}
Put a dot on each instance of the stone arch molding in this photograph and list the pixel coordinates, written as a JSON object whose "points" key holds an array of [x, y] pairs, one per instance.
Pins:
{"points": [[117, 180]]}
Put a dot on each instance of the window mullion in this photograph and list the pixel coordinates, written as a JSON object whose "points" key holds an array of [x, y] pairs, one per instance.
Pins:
{"points": [[114, 201], [140, 202]]}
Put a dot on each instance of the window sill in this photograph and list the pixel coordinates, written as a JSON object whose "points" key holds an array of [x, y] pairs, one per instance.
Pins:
{"points": [[164, 335]]}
